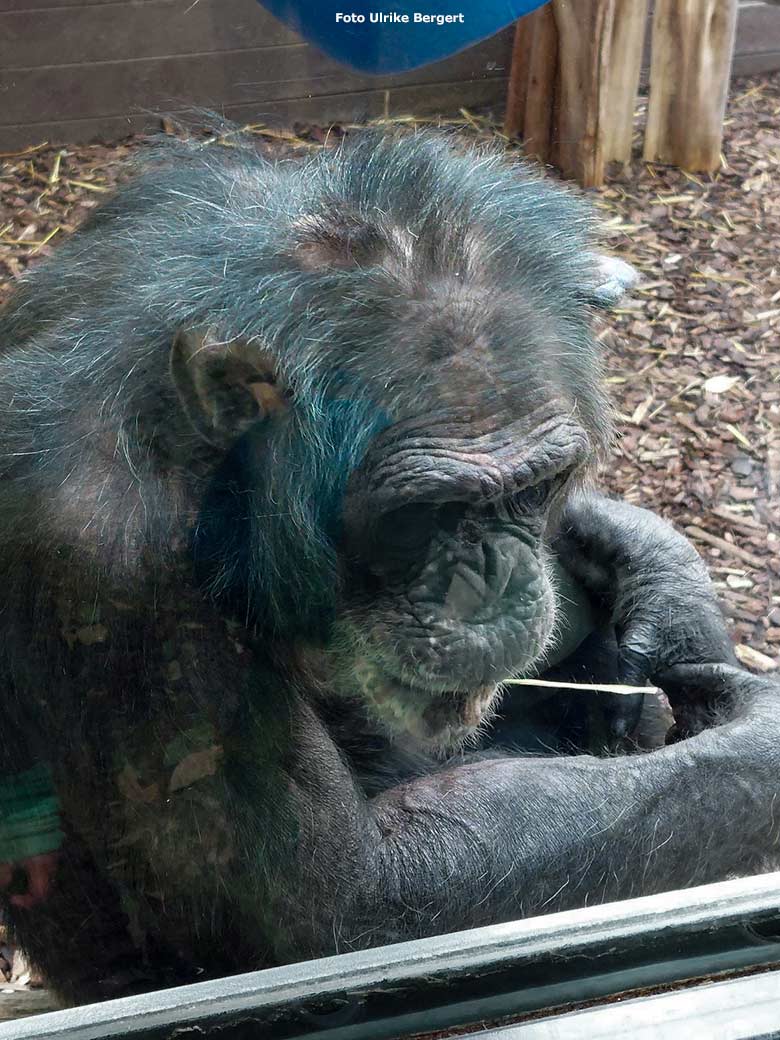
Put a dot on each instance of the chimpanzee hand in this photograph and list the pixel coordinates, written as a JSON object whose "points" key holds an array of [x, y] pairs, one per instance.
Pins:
{"points": [[35, 872], [701, 694], [651, 580]]}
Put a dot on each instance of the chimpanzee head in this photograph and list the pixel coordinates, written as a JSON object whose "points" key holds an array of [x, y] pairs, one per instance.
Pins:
{"points": [[430, 391], [383, 370]]}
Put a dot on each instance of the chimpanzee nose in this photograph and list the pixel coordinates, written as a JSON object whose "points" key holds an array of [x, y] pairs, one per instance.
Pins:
{"points": [[482, 573]]}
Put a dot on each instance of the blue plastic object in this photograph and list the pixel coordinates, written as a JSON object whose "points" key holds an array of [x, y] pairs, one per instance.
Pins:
{"points": [[382, 38]]}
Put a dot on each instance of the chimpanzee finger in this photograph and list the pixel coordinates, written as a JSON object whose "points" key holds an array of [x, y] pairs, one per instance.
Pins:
{"points": [[699, 680], [636, 660], [715, 681], [703, 695], [623, 712], [698, 698]]}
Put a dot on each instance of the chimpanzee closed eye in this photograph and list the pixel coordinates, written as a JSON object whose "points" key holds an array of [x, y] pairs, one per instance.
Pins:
{"points": [[291, 479]]}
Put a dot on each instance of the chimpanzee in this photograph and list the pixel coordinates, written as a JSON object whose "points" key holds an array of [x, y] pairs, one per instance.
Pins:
{"points": [[291, 456]]}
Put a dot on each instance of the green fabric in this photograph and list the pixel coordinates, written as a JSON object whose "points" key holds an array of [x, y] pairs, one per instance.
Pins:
{"points": [[29, 815]]}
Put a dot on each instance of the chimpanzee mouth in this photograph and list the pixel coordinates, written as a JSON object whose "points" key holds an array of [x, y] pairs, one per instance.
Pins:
{"points": [[440, 717], [435, 714]]}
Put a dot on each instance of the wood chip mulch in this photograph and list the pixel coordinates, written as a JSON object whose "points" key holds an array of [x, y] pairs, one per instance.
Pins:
{"points": [[693, 359]]}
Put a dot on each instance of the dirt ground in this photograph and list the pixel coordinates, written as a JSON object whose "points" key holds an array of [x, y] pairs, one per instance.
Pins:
{"points": [[693, 360]]}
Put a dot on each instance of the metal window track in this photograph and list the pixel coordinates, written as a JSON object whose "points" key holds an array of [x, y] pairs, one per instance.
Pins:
{"points": [[487, 977]]}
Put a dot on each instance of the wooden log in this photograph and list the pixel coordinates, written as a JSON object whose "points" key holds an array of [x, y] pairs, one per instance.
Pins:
{"points": [[692, 48], [518, 77], [584, 43], [600, 57], [629, 25], [575, 74], [540, 94]]}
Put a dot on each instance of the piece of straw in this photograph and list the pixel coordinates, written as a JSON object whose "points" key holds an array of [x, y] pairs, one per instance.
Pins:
{"points": [[590, 687]]}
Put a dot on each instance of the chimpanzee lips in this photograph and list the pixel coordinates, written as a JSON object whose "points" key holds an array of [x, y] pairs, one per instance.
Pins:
{"points": [[439, 717], [460, 714]]}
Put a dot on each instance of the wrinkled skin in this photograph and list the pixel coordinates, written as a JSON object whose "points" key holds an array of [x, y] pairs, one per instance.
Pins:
{"points": [[288, 455], [459, 594]]}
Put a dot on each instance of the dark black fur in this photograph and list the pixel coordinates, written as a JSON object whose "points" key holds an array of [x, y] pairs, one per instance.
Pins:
{"points": [[283, 457]]}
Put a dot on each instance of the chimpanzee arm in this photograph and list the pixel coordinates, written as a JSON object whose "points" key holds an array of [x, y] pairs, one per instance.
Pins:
{"points": [[503, 838]]}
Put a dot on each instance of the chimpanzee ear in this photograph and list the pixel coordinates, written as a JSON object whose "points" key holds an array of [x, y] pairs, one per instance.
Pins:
{"points": [[613, 278], [224, 387]]}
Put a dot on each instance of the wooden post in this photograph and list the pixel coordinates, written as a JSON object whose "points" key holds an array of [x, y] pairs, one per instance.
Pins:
{"points": [[532, 84], [692, 48], [584, 38], [622, 79], [575, 73], [518, 77], [540, 95]]}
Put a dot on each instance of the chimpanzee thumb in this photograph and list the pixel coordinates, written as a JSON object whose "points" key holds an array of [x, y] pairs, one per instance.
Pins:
{"points": [[623, 713], [636, 658]]}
